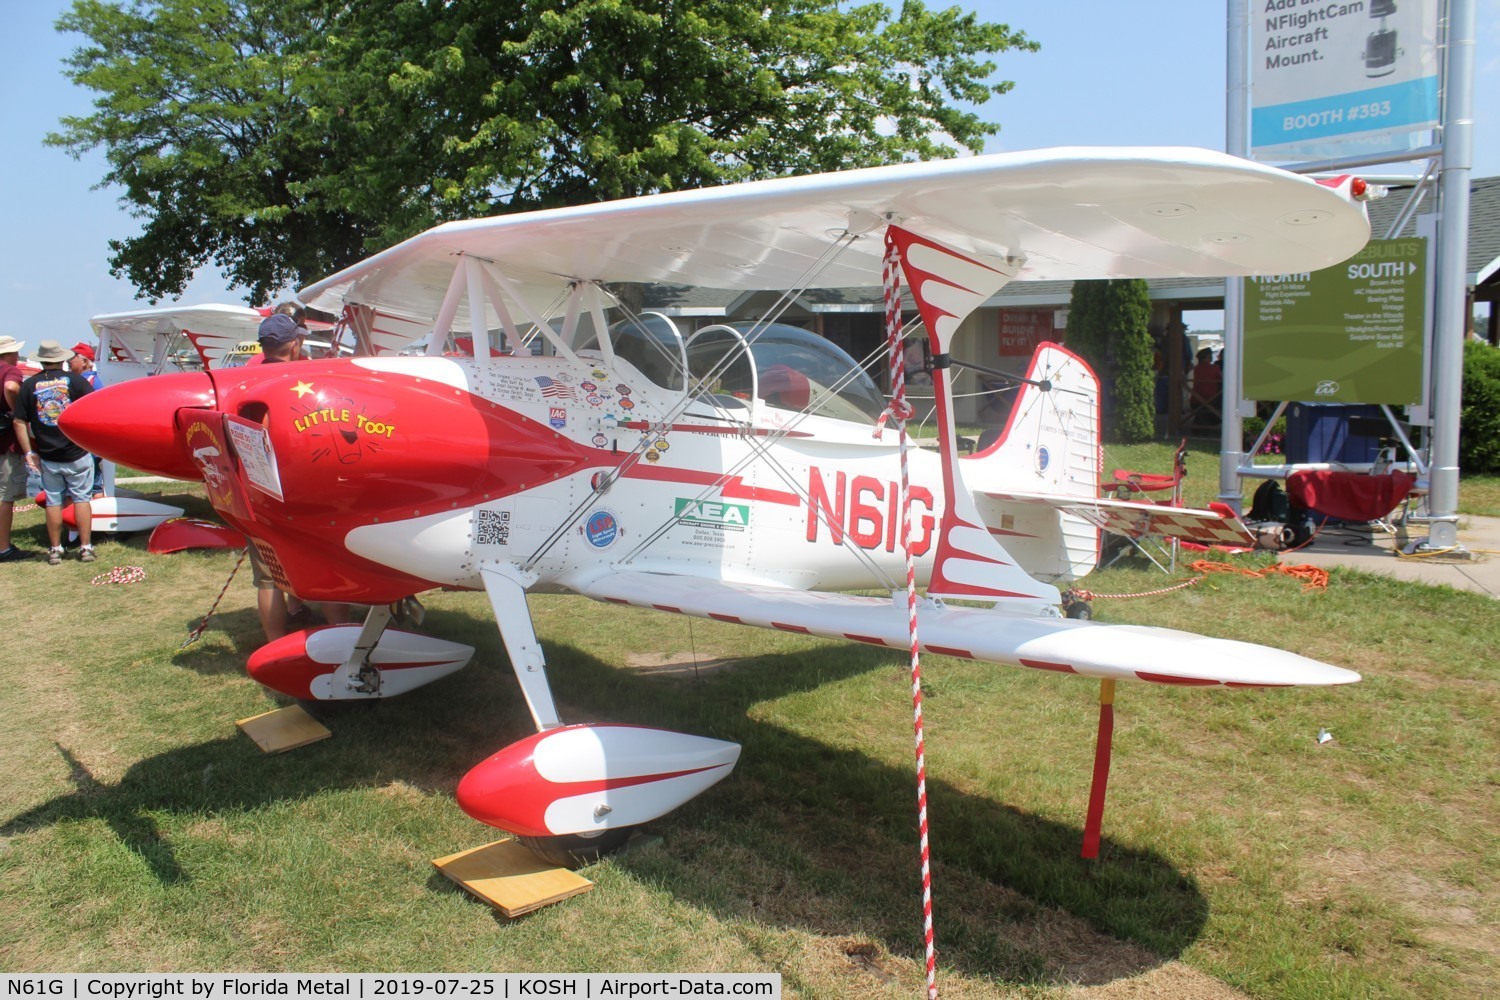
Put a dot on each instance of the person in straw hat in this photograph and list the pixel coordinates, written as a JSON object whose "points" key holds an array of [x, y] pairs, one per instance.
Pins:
{"points": [[66, 469], [12, 455]]}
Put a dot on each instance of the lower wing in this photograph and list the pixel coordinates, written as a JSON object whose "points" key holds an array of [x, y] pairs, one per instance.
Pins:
{"points": [[1090, 649]]}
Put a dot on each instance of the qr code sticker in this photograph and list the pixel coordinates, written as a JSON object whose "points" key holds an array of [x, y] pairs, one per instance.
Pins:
{"points": [[492, 527]]}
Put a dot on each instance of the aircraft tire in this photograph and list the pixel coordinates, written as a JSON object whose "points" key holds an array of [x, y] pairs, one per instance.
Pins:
{"points": [[324, 709], [575, 850], [1082, 610]]}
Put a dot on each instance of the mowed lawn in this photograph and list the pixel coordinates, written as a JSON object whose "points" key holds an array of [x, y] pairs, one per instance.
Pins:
{"points": [[139, 830]]}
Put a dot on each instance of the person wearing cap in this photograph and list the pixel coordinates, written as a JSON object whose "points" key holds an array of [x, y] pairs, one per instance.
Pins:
{"points": [[66, 469], [82, 363], [12, 455], [281, 337]]}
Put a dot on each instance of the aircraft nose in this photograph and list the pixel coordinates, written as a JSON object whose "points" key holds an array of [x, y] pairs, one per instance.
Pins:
{"points": [[134, 423]]}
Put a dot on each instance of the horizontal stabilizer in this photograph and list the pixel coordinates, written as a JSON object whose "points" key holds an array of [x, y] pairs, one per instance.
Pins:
{"points": [[1091, 649], [1140, 519]]}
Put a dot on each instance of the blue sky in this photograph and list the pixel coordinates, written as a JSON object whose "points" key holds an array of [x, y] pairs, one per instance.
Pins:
{"points": [[1109, 73]]}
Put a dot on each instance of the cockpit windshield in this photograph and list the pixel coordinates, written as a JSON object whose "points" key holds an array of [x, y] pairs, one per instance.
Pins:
{"points": [[652, 344], [793, 370]]}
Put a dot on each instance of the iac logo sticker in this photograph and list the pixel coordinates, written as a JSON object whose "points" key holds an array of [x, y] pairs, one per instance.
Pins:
{"points": [[601, 529], [557, 416], [712, 514]]}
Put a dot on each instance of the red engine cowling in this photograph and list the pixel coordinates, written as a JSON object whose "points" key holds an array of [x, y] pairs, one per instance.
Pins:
{"points": [[353, 445]]}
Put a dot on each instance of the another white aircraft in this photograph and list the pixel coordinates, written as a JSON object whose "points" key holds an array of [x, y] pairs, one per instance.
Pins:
{"points": [[154, 341], [734, 474]]}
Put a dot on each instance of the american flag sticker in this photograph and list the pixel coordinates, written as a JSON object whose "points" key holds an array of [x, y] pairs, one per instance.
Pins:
{"points": [[553, 389]]}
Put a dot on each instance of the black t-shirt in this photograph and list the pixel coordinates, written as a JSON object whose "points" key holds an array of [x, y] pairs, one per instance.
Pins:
{"points": [[42, 399]]}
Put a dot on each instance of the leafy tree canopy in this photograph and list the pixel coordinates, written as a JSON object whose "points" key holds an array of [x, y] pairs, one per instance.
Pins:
{"points": [[1109, 327], [284, 139]]}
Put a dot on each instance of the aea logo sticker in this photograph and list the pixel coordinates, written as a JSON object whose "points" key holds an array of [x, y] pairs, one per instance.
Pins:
{"points": [[1043, 459], [601, 529]]}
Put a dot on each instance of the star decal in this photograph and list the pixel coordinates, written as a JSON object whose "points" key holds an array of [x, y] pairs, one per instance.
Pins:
{"points": [[302, 389]]}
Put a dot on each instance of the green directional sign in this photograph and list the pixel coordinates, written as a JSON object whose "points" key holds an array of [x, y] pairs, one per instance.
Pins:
{"points": [[1351, 333]]}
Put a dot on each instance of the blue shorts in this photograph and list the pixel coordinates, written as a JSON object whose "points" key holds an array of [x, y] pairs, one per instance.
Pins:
{"points": [[76, 478]]}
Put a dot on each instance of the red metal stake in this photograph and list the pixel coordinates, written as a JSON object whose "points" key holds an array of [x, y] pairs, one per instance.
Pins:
{"points": [[1102, 748]]}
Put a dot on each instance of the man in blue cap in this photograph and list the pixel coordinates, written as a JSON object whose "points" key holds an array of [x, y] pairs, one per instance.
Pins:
{"points": [[281, 337]]}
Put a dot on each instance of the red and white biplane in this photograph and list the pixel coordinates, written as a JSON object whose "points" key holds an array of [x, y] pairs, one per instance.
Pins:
{"points": [[733, 473], [155, 341]]}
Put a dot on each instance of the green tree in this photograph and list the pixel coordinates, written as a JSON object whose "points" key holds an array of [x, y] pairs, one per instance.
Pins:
{"points": [[1479, 419], [283, 139], [1108, 326]]}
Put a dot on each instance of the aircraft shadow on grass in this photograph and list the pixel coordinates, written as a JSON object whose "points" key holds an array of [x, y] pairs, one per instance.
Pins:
{"points": [[830, 849]]}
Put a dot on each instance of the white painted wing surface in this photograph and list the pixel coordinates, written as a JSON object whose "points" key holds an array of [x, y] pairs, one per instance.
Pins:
{"points": [[1091, 649], [1141, 519], [1074, 212], [240, 322], [213, 328]]}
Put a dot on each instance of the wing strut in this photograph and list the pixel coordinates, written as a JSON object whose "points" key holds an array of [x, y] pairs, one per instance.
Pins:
{"points": [[948, 285], [506, 587]]}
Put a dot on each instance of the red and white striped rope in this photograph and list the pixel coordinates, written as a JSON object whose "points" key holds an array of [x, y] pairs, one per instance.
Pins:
{"points": [[1089, 595], [120, 574], [901, 410]]}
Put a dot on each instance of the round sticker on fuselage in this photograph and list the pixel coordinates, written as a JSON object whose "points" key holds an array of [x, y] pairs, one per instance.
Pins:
{"points": [[1043, 458], [601, 529]]}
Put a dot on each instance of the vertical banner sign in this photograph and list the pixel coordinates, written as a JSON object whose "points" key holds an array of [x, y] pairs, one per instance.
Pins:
{"points": [[1342, 79], [1351, 333]]}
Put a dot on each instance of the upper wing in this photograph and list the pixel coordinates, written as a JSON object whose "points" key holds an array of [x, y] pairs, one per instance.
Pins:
{"points": [[1067, 213], [1140, 519], [1092, 649], [213, 329]]}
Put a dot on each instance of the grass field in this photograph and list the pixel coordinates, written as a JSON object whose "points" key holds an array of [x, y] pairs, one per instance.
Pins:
{"points": [[139, 830]]}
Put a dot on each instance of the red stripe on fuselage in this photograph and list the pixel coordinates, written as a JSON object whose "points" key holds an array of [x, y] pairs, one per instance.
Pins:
{"points": [[732, 487]]}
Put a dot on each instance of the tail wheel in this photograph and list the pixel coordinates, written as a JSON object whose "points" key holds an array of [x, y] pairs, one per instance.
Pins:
{"points": [[1082, 610], [574, 850]]}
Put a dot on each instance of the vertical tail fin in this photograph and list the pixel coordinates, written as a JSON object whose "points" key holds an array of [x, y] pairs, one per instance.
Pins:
{"points": [[1050, 446]]}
